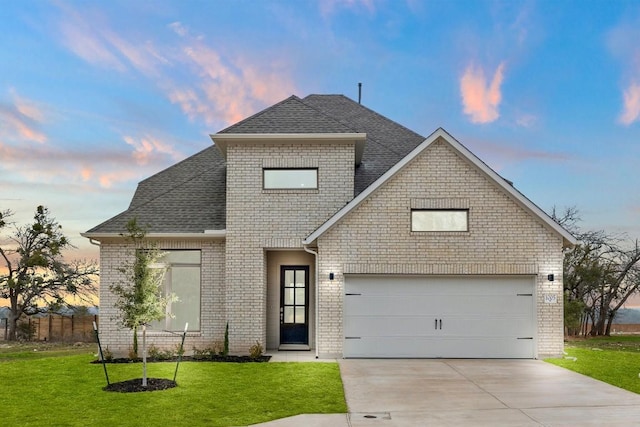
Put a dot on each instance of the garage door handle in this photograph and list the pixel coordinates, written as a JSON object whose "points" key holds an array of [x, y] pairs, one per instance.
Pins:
{"points": [[436, 324]]}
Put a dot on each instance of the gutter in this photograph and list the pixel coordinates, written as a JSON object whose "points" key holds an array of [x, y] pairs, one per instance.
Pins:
{"points": [[316, 292]]}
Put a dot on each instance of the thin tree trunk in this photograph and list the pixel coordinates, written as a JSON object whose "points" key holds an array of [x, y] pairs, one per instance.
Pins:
{"points": [[144, 355]]}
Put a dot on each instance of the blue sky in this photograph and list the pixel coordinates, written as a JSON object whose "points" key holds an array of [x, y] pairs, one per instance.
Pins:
{"points": [[96, 96]]}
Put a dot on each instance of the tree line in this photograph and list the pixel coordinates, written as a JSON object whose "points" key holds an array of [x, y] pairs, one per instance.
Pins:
{"points": [[601, 273]]}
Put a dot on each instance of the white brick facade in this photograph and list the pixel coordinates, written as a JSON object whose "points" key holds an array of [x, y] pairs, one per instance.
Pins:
{"points": [[116, 253], [503, 238], [237, 286], [260, 220]]}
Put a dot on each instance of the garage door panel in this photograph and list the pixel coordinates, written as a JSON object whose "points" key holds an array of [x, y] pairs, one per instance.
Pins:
{"points": [[410, 305], [428, 316], [381, 326], [407, 347]]}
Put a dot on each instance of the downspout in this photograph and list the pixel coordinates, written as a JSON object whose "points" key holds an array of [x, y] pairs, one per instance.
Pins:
{"points": [[94, 242], [316, 292]]}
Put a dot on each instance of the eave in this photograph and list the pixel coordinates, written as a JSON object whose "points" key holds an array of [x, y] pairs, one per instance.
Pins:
{"points": [[567, 238], [221, 140], [206, 235]]}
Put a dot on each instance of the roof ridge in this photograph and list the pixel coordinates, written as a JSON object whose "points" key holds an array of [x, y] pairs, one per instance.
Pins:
{"points": [[348, 125], [259, 113], [371, 111]]}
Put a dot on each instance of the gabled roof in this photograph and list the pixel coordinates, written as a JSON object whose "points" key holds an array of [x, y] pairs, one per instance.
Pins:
{"points": [[189, 197], [568, 238]]}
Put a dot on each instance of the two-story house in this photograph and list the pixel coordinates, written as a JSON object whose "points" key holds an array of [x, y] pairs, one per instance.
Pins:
{"points": [[319, 224]]}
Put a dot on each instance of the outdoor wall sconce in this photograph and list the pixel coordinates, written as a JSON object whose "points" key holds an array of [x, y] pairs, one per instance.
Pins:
{"points": [[331, 276], [550, 277]]}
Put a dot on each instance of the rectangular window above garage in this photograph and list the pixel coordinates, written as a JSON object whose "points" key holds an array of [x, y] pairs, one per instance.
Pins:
{"points": [[440, 220], [290, 179]]}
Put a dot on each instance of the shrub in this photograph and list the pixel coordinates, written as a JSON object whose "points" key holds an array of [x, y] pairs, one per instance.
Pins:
{"points": [[107, 354], [133, 353], [226, 340], [256, 350], [25, 331]]}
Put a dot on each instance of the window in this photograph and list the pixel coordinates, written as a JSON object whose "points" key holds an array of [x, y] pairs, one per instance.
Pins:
{"points": [[439, 220], [290, 179], [182, 279]]}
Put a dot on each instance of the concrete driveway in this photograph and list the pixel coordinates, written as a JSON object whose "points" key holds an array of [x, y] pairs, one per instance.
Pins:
{"points": [[420, 392]]}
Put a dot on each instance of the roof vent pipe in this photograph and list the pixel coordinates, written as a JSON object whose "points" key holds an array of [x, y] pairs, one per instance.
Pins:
{"points": [[359, 93]]}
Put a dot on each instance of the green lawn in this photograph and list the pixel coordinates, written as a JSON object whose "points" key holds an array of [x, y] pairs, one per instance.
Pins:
{"points": [[614, 360], [67, 391]]}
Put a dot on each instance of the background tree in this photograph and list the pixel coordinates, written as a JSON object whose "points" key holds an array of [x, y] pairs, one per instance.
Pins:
{"points": [[140, 296], [35, 278], [600, 274]]}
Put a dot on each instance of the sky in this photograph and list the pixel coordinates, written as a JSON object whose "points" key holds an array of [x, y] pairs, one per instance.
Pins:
{"points": [[96, 96]]}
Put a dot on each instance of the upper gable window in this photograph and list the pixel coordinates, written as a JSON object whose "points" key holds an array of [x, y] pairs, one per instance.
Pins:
{"points": [[440, 220], [290, 179]]}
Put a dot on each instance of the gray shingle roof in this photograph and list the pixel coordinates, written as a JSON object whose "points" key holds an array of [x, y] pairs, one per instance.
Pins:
{"points": [[189, 197]]}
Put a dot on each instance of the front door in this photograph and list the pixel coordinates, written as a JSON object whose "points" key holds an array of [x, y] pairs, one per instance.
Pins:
{"points": [[294, 305]]}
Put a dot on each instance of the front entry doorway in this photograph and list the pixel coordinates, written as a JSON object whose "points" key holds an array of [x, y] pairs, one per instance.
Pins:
{"points": [[294, 305]]}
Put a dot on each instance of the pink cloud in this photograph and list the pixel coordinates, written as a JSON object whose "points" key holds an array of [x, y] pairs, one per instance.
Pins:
{"points": [[221, 88], [146, 147], [21, 119], [631, 111], [481, 98]]}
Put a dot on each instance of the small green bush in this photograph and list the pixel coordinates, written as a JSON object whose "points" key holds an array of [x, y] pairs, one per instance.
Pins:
{"points": [[226, 340]]}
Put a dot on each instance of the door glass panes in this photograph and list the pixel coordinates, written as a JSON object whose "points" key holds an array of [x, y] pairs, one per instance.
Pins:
{"points": [[288, 315], [289, 278], [294, 296], [289, 296]]}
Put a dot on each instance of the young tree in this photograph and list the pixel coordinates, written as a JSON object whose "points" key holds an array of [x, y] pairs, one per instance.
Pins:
{"points": [[140, 296], [35, 278]]}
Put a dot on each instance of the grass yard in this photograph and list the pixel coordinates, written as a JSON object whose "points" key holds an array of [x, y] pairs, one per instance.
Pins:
{"points": [[614, 360], [67, 390]]}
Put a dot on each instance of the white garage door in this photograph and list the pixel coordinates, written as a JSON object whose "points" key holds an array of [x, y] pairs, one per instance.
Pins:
{"points": [[419, 316]]}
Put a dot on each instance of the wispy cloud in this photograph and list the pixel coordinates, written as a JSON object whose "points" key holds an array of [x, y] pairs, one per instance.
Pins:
{"points": [[21, 119], [622, 42], [227, 88], [213, 86], [631, 104], [147, 147], [501, 154], [329, 7], [480, 97]]}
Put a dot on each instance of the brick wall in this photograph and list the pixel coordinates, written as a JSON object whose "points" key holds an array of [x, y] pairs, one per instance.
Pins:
{"points": [[115, 253], [503, 238], [259, 219]]}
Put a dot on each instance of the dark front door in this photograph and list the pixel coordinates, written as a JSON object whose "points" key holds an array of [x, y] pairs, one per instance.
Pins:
{"points": [[294, 305]]}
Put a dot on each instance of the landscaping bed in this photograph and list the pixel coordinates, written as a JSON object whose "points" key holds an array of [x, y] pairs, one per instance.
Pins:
{"points": [[216, 358]]}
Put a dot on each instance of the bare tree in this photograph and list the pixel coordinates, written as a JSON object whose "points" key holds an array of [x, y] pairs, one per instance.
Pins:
{"points": [[600, 274], [36, 278]]}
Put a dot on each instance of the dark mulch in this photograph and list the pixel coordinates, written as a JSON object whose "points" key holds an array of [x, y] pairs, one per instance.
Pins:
{"points": [[135, 386], [228, 358]]}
